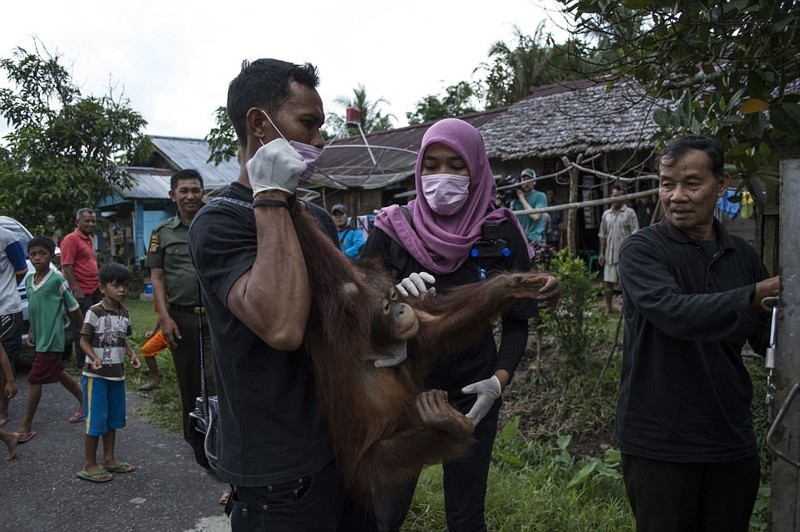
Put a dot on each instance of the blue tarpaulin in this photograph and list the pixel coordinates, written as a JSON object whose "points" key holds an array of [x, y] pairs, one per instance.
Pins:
{"points": [[731, 208]]}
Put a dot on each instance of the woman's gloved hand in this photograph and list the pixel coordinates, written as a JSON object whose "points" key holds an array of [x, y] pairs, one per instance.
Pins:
{"points": [[488, 391], [416, 284]]}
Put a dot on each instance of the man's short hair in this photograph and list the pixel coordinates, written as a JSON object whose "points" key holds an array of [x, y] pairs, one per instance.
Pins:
{"points": [[264, 83], [82, 211], [617, 186], [42, 241], [679, 147], [114, 272], [186, 173]]}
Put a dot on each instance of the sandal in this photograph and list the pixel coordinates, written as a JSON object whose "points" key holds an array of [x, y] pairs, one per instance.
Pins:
{"points": [[26, 436], [101, 475], [77, 417], [121, 467]]}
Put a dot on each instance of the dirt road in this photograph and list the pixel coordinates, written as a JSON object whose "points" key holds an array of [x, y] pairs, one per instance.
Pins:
{"points": [[39, 490]]}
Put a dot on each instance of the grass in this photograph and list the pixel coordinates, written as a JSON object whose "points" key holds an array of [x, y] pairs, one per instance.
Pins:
{"points": [[164, 407], [534, 486]]}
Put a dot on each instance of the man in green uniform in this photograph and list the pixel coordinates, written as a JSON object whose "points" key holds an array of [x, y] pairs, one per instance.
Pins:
{"points": [[175, 291]]}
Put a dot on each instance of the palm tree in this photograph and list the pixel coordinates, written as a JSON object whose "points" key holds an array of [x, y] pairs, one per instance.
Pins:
{"points": [[514, 71], [372, 117]]}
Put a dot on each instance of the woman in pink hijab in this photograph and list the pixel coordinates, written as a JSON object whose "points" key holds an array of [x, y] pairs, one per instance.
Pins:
{"points": [[453, 231]]}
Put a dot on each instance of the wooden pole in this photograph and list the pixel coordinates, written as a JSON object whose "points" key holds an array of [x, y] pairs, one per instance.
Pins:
{"points": [[784, 440], [572, 215]]}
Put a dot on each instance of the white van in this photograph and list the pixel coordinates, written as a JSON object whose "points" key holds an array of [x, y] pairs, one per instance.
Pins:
{"points": [[23, 235]]}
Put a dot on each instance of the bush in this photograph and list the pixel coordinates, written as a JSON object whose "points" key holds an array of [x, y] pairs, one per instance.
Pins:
{"points": [[576, 324]]}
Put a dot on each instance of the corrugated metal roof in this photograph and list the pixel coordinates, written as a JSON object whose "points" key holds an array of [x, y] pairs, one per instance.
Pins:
{"points": [[150, 183], [347, 163], [184, 153]]}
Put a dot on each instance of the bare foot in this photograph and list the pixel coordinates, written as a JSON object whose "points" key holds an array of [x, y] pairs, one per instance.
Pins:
{"points": [[12, 446]]}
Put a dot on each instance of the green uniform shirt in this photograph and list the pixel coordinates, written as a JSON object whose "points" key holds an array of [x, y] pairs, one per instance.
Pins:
{"points": [[169, 250]]}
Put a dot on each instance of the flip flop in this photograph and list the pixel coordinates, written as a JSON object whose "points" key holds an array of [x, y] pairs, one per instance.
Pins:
{"points": [[98, 476], [121, 467], [77, 417], [26, 436]]}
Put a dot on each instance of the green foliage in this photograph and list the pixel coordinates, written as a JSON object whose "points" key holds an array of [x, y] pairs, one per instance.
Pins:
{"points": [[761, 419], [576, 322], [732, 65], [64, 149], [536, 487], [222, 142], [533, 60], [514, 69], [458, 100]]}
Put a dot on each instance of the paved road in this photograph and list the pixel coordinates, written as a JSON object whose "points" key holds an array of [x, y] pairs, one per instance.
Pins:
{"points": [[39, 490]]}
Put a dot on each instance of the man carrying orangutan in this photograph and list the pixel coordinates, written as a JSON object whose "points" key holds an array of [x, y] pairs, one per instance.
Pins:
{"points": [[255, 287]]}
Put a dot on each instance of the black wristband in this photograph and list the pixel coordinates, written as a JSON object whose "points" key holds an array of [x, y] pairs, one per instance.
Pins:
{"points": [[270, 203]]}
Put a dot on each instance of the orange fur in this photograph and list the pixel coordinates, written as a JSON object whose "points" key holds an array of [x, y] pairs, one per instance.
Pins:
{"points": [[378, 436]]}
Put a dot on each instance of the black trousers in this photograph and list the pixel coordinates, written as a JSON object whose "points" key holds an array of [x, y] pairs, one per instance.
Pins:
{"points": [[186, 357], [317, 503], [464, 484], [683, 497], [11, 334]]}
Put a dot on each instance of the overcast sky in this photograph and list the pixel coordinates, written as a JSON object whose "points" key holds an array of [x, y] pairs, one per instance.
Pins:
{"points": [[174, 59]]}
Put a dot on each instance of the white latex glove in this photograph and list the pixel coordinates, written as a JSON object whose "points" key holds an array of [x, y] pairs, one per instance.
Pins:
{"points": [[415, 284], [397, 354], [488, 391], [275, 166]]}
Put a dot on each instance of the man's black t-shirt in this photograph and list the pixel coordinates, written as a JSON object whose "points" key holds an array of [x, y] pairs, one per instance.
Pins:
{"points": [[270, 431]]}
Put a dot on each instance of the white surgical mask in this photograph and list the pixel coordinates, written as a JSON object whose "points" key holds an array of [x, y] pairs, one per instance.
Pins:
{"points": [[309, 153], [445, 193]]}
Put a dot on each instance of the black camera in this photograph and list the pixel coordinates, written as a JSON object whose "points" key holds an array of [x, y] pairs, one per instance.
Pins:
{"points": [[508, 194], [490, 245]]}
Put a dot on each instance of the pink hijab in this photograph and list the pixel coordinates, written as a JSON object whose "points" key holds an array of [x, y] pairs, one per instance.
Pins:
{"points": [[439, 243]]}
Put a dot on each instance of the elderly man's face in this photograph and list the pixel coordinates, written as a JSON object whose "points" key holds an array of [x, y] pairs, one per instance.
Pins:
{"points": [[87, 223], [689, 192]]}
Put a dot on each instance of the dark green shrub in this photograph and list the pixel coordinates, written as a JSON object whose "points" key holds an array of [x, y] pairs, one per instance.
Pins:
{"points": [[576, 323]]}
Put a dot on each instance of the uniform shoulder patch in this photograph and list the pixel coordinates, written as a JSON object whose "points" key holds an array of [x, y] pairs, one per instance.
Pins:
{"points": [[153, 242]]}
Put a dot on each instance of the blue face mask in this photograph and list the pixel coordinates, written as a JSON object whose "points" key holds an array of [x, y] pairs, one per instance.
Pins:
{"points": [[309, 153]]}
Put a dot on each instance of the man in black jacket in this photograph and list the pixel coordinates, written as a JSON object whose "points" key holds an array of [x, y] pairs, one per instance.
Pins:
{"points": [[692, 297]]}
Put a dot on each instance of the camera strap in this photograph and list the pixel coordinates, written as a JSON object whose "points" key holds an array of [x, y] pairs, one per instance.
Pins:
{"points": [[201, 346]]}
